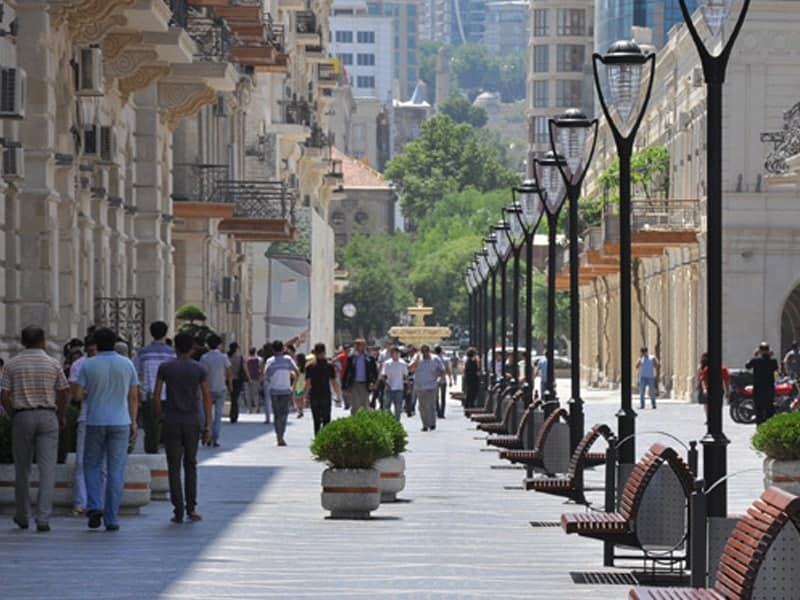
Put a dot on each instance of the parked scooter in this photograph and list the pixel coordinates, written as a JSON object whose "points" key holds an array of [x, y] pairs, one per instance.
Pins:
{"points": [[741, 403]]}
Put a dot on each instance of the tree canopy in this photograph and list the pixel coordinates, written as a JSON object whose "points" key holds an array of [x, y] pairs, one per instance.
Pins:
{"points": [[460, 109]]}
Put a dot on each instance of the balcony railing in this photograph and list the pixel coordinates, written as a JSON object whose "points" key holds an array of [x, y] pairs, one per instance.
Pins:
{"points": [[328, 74], [179, 10], [296, 112], [306, 22], [276, 35], [655, 215], [198, 182], [317, 139], [211, 34], [260, 199]]}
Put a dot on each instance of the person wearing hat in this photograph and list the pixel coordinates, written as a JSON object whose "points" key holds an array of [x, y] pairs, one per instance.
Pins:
{"points": [[764, 367]]}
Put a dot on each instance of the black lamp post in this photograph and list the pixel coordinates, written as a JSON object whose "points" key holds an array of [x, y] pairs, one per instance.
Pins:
{"points": [[715, 14], [551, 189], [568, 136], [516, 238], [503, 246], [624, 64], [529, 217], [492, 261], [469, 281], [482, 263]]}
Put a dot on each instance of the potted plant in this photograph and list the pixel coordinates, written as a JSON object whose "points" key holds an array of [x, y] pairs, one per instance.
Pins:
{"points": [[391, 468], [779, 439], [350, 447]]}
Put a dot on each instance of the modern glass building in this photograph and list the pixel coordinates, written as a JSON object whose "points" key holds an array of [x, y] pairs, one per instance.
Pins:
{"points": [[614, 19]]}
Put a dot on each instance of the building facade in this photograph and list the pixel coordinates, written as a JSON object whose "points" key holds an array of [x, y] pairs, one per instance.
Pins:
{"points": [[405, 26], [506, 29], [560, 52], [615, 18]]}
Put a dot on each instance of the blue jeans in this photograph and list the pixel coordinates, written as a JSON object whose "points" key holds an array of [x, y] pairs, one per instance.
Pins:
{"points": [[218, 400], [280, 411], [395, 397], [105, 444], [643, 383]]}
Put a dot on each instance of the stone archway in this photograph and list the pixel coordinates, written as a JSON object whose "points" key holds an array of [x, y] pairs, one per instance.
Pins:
{"points": [[790, 319]]}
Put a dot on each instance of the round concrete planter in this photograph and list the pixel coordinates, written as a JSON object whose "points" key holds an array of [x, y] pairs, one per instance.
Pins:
{"points": [[350, 493], [783, 474], [159, 475], [392, 477]]}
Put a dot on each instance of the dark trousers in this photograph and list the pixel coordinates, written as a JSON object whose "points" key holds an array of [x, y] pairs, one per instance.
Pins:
{"points": [[764, 405], [181, 441], [411, 400], [321, 412], [152, 428], [236, 391], [442, 403]]}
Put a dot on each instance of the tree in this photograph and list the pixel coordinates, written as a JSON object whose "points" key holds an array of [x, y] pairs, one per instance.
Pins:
{"points": [[189, 313], [461, 110], [445, 158], [428, 51]]}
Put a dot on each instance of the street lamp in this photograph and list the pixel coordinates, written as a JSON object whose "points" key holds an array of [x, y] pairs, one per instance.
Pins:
{"points": [[527, 195], [624, 63], [551, 189], [568, 136], [715, 14], [468, 283], [503, 246], [492, 260], [516, 237]]}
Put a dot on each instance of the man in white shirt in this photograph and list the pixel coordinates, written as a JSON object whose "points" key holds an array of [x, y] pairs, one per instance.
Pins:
{"points": [[394, 373]]}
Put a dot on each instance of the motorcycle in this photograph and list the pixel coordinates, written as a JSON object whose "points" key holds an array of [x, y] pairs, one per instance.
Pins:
{"points": [[742, 405]]}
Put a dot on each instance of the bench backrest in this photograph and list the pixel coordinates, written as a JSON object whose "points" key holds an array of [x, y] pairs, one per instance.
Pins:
{"points": [[548, 424], [527, 415], [578, 459], [643, 472], [751, 539], [509, 407]]}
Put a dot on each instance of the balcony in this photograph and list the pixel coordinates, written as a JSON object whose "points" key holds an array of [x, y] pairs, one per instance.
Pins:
{"points": [[316, 55], [335, 175], [291, 5], [327, 76], [305, 29], [317, 138], [196, 191], [654, 215]]}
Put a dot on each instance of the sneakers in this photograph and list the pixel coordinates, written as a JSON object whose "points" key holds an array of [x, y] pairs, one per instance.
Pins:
{"points": [[42, 527], [20, 524], [194, 517], [112, 527], [281, 442], [95, 518]]}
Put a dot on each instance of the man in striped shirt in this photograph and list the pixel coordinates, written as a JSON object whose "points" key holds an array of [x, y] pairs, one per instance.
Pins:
{"points": [[147, 362], [280, 372]]}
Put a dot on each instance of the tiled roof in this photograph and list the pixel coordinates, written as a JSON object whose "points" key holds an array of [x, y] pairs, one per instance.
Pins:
{"points": [[358, 174]]}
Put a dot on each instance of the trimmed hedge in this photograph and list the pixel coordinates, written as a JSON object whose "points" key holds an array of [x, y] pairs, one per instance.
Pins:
{"points": [[354, 442], [779, 437]]}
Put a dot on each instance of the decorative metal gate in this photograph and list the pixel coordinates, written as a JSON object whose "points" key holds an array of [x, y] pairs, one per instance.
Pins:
{"points": [[123, 315]]}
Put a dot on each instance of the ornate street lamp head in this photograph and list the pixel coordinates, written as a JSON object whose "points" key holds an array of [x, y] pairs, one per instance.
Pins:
{"points": [[483, 264], [503, 232], [528, 196], [513, 215], [568, 135], [491, 249], [624, 61], [468, 280], [715, 13], [550, 181]]}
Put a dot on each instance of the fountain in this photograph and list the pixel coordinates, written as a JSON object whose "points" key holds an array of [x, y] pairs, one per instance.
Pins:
{"points": [[418, 333]]}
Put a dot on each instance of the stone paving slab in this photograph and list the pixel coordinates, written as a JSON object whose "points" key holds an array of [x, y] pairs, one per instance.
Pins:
{"points": [[460, 534]]}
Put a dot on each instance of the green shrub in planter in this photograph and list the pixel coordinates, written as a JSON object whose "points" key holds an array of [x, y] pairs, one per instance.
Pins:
{"points": [[6, 456], [396, 430], [779, 437], [352, 443]]}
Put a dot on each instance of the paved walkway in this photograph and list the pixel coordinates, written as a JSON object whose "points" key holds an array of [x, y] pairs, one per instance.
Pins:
{"points": [[461, 533]]}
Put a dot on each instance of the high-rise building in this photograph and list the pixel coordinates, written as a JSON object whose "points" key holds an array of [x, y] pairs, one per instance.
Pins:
{"points": [[435, 17], [363, 43], [614, 19], [506, 30], [560, 49], [405, 15], [468, 21]]}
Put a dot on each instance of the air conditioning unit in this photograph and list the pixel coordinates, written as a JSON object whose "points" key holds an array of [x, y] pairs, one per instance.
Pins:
{"points": [[13, 162], [91, 142], [90, 72], [12, 93], [227, 289], [108, 146], [698, 79]]}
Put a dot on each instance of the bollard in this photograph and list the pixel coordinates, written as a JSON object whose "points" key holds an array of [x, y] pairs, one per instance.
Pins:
{"points": [[692, 456], [698, 536], [611, 496]]}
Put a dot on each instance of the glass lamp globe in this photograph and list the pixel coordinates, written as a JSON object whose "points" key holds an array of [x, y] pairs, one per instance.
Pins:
{"points": [[715, 13], [624, 62], [514, 218], [571, 130], [503, 244], [528, 194], [551, 181]]}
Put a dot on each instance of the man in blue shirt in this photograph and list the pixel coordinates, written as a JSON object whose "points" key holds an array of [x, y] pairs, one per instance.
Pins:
{"points": [[148, 359], [428, 371], [109, 386], [647, 366], [280, 372], [220, 381]]}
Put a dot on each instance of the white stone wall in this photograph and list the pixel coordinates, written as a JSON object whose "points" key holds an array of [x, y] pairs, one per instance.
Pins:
{"points": [[322, 266]]}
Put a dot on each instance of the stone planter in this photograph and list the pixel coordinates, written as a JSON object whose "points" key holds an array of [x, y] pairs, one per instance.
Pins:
{"points": [[392, 477], [159, 475], [350, 493], [783, 474], [135, 494]]}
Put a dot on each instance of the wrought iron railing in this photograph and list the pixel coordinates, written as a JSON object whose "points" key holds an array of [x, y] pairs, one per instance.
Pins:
{"points": [[276, 35], [315, 49], [124, 316], [259, 198], [654, 215], [296, 112], [317, 138], [786, 143], [179, 10], [305, 22], [328, 73], [198, 182], [211, 34]]}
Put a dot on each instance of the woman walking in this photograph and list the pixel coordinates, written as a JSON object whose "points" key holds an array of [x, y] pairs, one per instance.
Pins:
{"points": [[299, 390]]}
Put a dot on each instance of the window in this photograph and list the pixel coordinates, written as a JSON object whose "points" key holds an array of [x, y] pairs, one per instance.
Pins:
{"points": [[570, 58], [344, 37], [571, 21], [362, 217], [365, 82], [569, 92], [338, 218], [346, 59], [365, 60], [541, 58], [541, 94], [540, 22], [411, 27], [372, 9], [411, 10], [411, 43], [412, 58], [365, 37], [541, 134]]}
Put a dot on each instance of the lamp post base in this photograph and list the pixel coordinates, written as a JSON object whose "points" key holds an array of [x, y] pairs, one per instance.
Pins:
{"points": [[626, 432], [714, 471], [577, 425]]}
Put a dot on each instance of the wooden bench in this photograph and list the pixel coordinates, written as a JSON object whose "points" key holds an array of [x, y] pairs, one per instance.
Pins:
{"points": [[488, 408], [500, 407], [744, 552], [620, 527], [504, 424], [571, 485], [535, 458], [515, 441]]}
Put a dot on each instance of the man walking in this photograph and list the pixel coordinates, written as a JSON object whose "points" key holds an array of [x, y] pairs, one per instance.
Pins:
{"points": [[395, 376], [185, 380], [109, 386], [218, 370], [35, 395], [237, 373], [320, 377], [647, 365], [764, 368], [147, 362], [279, 374], [79, 482], [360, 375], [427, 371], [442, 399], [254, 372]]}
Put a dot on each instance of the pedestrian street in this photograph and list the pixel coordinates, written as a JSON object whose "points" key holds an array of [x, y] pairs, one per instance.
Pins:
{"points": [[462, 530]]}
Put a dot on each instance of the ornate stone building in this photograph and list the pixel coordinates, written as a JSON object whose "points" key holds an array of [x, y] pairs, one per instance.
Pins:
{"points": [[142, 160]]}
